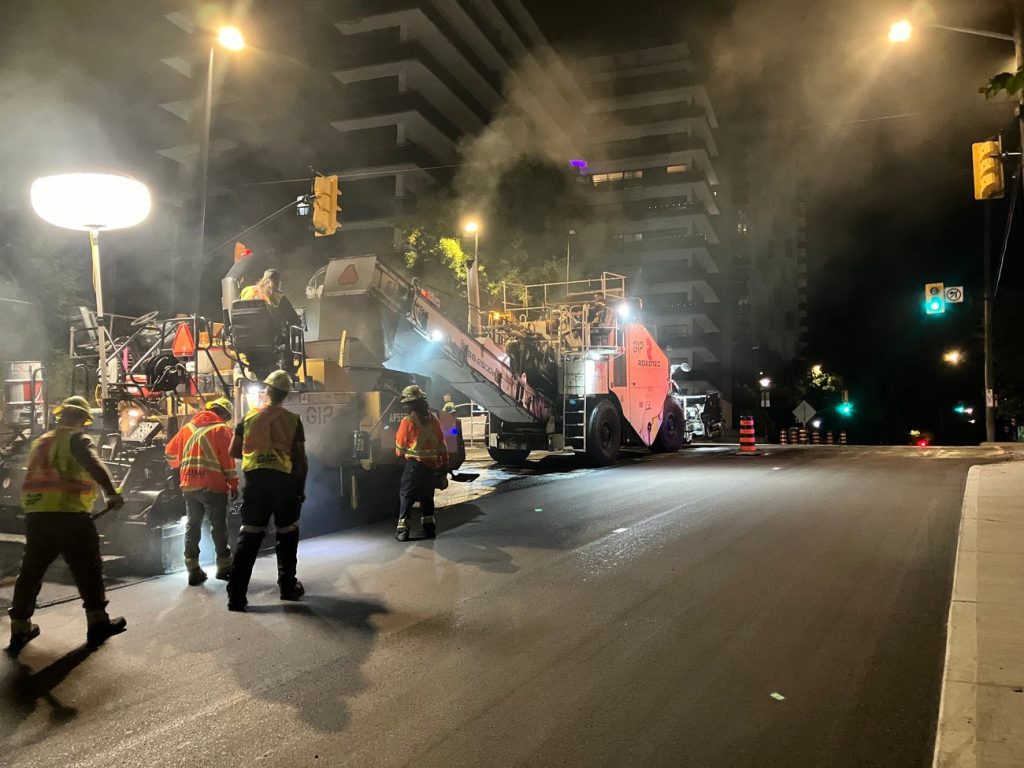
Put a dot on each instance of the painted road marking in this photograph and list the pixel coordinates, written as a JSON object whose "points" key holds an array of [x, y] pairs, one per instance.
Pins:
{"points": [[620, 530]]}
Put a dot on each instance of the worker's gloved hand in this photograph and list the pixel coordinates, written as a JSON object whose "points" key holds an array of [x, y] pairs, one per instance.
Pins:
{"points": [[234, 494], [116, 501], [302, 496]]}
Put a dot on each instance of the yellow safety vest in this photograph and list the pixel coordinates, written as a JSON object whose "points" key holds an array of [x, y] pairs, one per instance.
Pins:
{"points": [[268, 434], [55, 481], [253, 293]]}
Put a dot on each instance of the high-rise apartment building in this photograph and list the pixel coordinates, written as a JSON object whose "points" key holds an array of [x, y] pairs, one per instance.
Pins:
{"points": [[769, 249], [656, 186]]}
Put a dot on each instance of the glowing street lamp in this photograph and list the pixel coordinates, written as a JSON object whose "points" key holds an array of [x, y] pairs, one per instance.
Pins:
{"points": [[91, 202], [231, 38], [765, 382], [900, 31], [472, 227], [953, 357]]}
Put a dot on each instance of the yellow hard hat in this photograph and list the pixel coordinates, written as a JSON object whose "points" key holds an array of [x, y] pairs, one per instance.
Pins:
{"points": [[412, 393], [75, 403], [279, 380], [221, 402]]}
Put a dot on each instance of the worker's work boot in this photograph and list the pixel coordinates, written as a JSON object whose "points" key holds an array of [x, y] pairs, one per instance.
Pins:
{"points": [[294, 592], [102, 627], [23, 632], [224, 568], [429, 527], [402, 532], [196, 576]]}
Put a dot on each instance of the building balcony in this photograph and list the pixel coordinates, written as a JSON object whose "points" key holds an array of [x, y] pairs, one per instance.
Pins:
{"points": [[653, 145], [396, 104], [392, 59], [354, 17]]}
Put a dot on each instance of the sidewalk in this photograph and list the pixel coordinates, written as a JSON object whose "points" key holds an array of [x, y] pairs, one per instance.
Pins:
{"points": [[981, 717]]}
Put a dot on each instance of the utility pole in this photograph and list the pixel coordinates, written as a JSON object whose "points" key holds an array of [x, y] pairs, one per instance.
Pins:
{"points": [[990, 403], [1018, 49]]}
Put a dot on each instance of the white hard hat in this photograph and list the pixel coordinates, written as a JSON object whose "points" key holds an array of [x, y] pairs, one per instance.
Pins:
{"points": [[279, 380]]}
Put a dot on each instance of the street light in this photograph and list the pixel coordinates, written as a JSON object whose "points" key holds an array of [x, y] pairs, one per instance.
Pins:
{"points": [[1017, 38], [231, 39], [765, 382], [472, 227], [91, 202], [953, 357], [900, 31]]}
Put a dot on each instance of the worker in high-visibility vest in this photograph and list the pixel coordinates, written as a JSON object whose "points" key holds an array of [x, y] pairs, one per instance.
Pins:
{"points": [[268, 290], [271, 444], [200, 451], [420, 441], [58, 496]]}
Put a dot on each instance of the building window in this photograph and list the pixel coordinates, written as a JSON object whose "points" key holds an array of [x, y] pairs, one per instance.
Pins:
{"points": [[633, 174], [632, 237], [678, 168]]}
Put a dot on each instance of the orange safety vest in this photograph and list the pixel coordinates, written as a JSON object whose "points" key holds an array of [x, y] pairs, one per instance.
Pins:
{"points": [[55, 481], [421, 442], [200, 451], [268, 433]]}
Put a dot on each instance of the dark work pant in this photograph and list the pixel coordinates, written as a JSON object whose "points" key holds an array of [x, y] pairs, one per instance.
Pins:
{"points": [[71, 535], [417, 485], [268, 495], [204, 503]]}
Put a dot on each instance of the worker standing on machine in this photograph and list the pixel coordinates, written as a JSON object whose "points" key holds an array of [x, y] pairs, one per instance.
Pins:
{"points": [[420, 442], [449, 404], [57, 496], [200, 451], [271, 444], [268, 290]]}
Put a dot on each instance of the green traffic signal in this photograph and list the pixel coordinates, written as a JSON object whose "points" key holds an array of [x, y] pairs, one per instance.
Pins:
{"points": [[845, 409], [936, 305]]}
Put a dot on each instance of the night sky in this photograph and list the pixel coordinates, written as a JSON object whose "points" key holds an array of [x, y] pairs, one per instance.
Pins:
{"points": [[885, 134]]}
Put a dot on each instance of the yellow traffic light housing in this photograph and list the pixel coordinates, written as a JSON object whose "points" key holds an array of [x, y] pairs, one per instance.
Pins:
{"points": [[325, 206], [988, 170]]}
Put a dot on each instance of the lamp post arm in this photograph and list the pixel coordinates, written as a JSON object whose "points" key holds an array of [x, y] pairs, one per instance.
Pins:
{"points": [[975, 32]]}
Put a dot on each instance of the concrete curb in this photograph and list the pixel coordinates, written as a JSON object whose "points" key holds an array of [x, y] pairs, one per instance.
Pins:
{"points": [[956, 730]]}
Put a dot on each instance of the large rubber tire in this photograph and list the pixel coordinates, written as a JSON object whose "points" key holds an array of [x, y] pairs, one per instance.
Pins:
{"points": [[508, 457], [672, 433], [604, 434]]}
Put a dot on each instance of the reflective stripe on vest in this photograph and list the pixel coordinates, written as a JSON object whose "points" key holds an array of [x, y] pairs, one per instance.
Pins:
{"points": [[55, 481], [199, 461], [267, 437], [427, 443]]}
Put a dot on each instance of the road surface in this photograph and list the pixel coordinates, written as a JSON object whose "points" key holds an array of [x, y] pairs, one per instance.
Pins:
{"points": [[699, 610]]}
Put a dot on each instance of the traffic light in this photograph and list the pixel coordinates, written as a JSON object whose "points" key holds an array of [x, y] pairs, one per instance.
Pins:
{"points": [[845, 409], [960, 408], [988, 170], [934, 298], [325, 206]]}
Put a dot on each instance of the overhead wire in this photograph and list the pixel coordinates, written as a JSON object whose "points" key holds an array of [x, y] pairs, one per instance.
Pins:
{"points": [[1015, 183]]}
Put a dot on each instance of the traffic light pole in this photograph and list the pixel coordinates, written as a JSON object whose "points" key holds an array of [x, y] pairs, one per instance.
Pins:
{"points": [[990, 404], [1018, 49]]}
